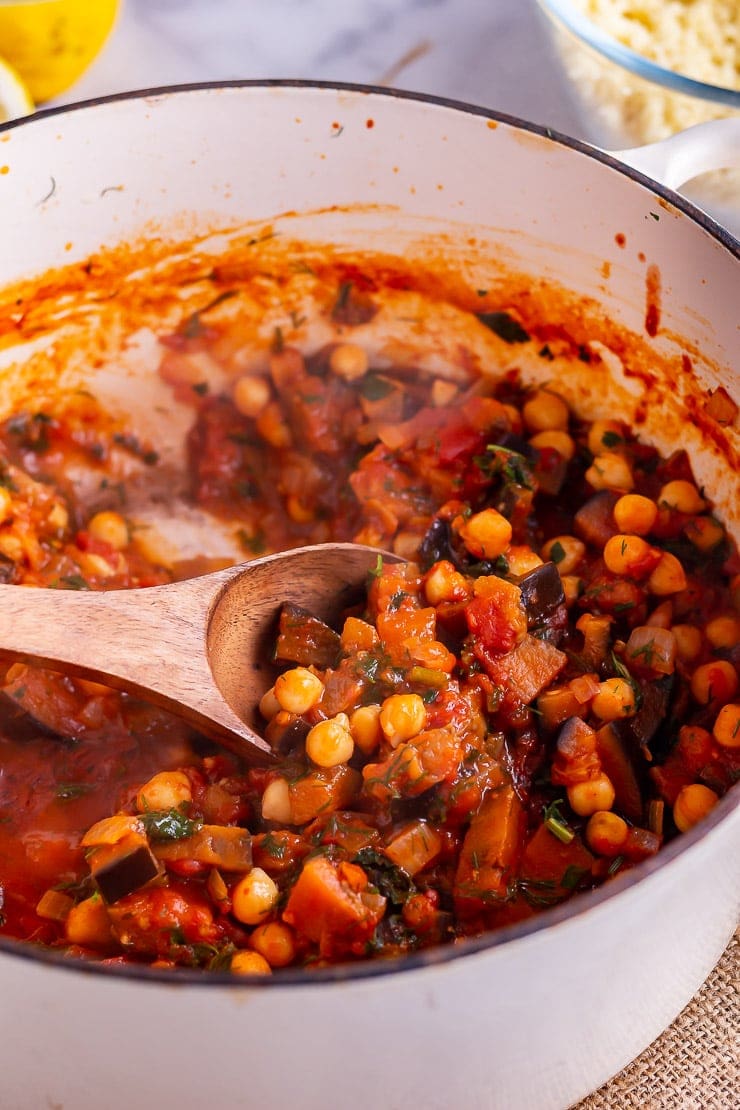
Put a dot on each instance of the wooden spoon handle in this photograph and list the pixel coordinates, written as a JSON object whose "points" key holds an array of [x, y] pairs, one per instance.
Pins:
{"points": [[151, 642]]}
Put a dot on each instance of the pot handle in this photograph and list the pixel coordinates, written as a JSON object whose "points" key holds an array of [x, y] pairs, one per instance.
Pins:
{"points": [[714, 145]]}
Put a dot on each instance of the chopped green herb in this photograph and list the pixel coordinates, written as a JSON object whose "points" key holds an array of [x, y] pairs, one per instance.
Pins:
{"points": [[396, 600], [391, 881], [559, 829], [192, 327], [273, 847], [254, 544], [646, 652], [572, 876], [377, 570], [74, 582], [611, 439], [168, 824], [557, 552]]}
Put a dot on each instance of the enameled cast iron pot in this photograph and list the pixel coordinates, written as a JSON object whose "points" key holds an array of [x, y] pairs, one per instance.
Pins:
{"points": [[536, 1015]]}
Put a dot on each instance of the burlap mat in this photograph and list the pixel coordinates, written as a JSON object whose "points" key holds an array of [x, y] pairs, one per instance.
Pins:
{"points": [[695, 1065]]}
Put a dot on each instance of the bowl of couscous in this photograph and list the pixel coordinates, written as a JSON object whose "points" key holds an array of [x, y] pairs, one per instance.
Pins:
{"points": [[641, 72]]}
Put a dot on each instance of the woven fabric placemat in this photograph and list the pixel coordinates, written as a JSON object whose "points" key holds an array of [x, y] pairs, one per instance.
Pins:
{"points": [[695, 1064]]}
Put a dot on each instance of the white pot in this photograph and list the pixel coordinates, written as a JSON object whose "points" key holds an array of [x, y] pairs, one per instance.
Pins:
{"points": [[536, 1015]]}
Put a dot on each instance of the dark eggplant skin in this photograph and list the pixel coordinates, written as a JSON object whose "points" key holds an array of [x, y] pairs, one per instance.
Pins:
{"points": [[542, 593], [126, 873]]}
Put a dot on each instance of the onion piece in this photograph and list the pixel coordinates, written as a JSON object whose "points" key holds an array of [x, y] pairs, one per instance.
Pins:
{"points": [[651, 649]]}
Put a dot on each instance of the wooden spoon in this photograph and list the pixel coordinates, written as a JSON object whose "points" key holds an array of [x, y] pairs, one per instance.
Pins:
{"points": [[201, 647]]}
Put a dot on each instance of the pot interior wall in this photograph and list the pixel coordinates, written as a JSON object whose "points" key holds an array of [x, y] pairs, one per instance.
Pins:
{"points": [[502, 207]]}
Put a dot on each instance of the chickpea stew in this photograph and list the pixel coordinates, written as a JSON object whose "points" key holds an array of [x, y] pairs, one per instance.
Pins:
{"points": [[540, 696]]}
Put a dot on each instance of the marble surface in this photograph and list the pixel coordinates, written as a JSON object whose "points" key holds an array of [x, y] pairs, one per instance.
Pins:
{"points": [[489, 52], [494, 53]]}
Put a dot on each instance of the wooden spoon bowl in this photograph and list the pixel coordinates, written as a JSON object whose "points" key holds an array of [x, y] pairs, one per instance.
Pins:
{"points": [[200, 648]]}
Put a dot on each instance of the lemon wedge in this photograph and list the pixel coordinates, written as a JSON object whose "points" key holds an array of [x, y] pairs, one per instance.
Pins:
{"points": [[52, 42], [15, 99]]}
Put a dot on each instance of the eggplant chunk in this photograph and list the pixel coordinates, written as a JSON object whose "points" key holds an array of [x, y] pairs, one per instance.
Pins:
{"points": [[542, 593], [304, 639], [123, 868], [594, 522]]}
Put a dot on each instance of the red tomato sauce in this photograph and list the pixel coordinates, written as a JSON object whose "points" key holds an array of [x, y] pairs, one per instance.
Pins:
{"points": [[540, 698]]}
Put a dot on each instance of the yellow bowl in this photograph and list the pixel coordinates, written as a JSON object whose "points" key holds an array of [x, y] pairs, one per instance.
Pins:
{"points": [[52, 42]]}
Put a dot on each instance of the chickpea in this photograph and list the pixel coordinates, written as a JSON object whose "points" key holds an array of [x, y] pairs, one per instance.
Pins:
{"points": [[715, 681], [58, 519], [635, 513], [723, 632], [167, 790], [330, 743], [615, 699], [704, 532], [606, 833], [545, 411], [111, 528], [726, 729], [276, 802], [254, 897], [486, 534], [565, 552], [269, 705], [275, 942], [522, 559], [692, 804], [364, 724], [605, 435], [272, 427], [668, 577], [688, 642], [402, 716], [610, 471], [88, 924], [557, 440], [251, 395], [627, 555], [572, 586], [586, 798], [298, 690], [444, 583], [348, 361], [249, 963], [514, 417], [682, 496], [11, 547]]}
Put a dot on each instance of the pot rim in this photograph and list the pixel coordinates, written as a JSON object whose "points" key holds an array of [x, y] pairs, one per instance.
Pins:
{"points": [[722, 234], [547, 919]]}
